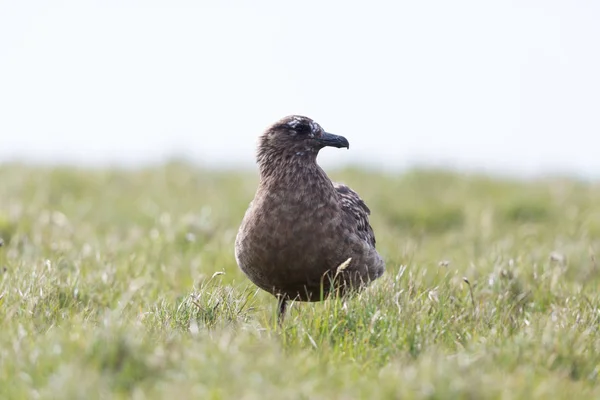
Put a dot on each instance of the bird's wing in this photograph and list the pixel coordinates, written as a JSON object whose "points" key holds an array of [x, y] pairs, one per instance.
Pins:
{"points": [[356, 212]]}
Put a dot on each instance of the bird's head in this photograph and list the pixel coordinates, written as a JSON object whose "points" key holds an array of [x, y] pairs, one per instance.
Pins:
{"points": [[297, 137]]}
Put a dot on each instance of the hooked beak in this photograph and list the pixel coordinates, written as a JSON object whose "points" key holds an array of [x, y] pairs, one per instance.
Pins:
{"points": [[328, 139]]}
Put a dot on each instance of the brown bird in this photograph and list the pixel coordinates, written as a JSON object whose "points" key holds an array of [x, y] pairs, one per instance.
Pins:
{"points": [[303, 236]]}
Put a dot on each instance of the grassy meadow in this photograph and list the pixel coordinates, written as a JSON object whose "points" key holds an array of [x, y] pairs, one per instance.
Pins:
{"points": [[123, 284]]}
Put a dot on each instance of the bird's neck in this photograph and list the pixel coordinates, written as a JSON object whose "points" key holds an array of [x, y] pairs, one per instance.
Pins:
{"points": [[277, 164], [295, 172]]}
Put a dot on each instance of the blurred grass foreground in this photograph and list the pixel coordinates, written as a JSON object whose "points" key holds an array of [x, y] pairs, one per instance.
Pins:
{"points": [[123, 284]]}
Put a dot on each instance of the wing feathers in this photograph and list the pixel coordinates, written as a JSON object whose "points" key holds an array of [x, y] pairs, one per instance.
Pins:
{"points": [[356, 211]]}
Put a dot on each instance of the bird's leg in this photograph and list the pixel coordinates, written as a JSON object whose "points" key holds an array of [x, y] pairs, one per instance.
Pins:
{"points": [[281, 305]]}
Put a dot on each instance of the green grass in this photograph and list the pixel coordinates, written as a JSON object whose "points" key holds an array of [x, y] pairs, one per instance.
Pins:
{"points": [[123, 284]]}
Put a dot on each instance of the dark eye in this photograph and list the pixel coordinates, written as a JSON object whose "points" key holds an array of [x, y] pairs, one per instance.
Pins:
{"points": [[303, 129]]}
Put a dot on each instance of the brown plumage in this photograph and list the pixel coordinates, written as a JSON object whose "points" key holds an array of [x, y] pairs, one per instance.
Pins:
{"points": [[301, 227]]}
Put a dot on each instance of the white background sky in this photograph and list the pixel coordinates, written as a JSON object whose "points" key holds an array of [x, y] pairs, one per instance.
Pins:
{"points": [[504, 86]]}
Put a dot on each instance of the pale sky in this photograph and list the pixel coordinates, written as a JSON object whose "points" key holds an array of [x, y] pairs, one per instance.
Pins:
{"points": [[505, 86]]}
